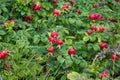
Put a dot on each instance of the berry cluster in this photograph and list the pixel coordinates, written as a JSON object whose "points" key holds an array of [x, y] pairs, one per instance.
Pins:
{"points": [[36, 6], [94, 16]]}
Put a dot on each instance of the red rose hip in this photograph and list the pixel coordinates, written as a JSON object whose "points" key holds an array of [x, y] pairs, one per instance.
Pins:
{"points": [[103, 74], [50, 49], [88, 32], [71, 51], [59, 42], [103, 45], [114, 57], [101, 29], [54, 34], [94, 28]]}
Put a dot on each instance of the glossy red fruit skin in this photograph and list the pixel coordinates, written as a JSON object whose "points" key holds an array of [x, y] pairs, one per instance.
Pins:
{"points": [[103, 45], [92, 16], [56, 12], [54, 34], [2, 55], [101, 29], [94, 28], [65, 6], [114, 57], [103, 74], [34, 4], [59, 42], [88, 32], [39, 7], [71, 51], [111, 19], [51, 39], [50, 49]]}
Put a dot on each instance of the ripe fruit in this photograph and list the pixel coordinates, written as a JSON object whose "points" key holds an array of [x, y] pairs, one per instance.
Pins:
{"points": [[39, 7], [54, 34], [56, 12], [36, 6], [59, 42], [51, 39], [111, 19], [54, 1], [77, 11], [114, 57], [101, 29], [50, 49], [65, 6], [103, 45], [2, 55], [71, 51], [88, 32], [12, 21], [103, 74], [94, 16], [94, 6], [94, 28]]}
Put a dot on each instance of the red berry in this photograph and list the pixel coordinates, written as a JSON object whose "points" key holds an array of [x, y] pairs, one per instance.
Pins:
{"points": [[54, 34], [39, 7], [2, 55], [54, 1], [103, 74], [71, 51], [94, 6], [92, 16], [12, 21], [56, 12], [103, 45], [77, 11], [59, 42], [35, 8], [50, 49], [94, 28], [65, 6], [51, 39], [100, 17], [88, 32], [114, 57], [34, 4], [101, 29], [111, 19]]}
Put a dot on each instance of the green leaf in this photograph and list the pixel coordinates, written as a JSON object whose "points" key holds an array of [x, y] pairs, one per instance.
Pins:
{"points": [[74, 76], [60, 59], [2, 32], [86, 38], [71, 20]]}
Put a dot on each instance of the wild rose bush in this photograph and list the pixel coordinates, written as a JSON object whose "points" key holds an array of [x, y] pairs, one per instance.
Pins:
{"points": [[59, 39]]}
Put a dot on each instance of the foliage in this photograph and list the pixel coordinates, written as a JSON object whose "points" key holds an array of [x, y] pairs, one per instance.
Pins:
{"points": [[24, 31]]}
